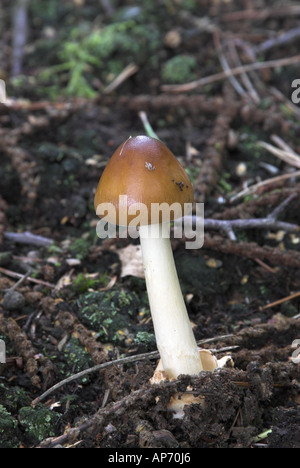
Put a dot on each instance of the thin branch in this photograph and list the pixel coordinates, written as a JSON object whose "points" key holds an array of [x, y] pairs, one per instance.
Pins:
{"points": [[28, 238], [20, 29], [273, 180], [252, 93], [287, 156], [280, 301], [126, 360], [14, 274], [277, 41], [20, 281], [262, 13], [128, 71], [226, 67], [228, 226], [279, 209], [251, 250], [295, 59]]}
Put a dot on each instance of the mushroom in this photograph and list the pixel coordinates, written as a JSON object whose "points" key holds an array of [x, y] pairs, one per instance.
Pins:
{"points": [[141, 177]]}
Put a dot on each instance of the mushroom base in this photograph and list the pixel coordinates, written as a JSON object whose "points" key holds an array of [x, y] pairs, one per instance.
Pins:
{"points": [[179, 400]]}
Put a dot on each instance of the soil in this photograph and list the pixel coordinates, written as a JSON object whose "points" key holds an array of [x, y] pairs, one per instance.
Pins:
{"points": [[83, 300]]}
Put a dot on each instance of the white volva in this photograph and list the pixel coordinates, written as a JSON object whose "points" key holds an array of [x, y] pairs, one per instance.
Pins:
{"points": [[173, 332]]}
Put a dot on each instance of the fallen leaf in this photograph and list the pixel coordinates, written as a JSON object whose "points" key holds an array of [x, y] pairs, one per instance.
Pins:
{"points": [[131, 260]]}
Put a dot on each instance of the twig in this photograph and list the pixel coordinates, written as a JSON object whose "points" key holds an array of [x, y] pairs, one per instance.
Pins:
{"points": [[288, 156], [228, 226], [128, 71], [252, 93], [284, 38], [265, 266], [20, 281], [254, 188], [227, 69], [14, 274], [126, 360], [233, 71], [20, 26], [280, 301], [279, 209], [288, 258], [262, 14], [285, 153], [28, 238]]}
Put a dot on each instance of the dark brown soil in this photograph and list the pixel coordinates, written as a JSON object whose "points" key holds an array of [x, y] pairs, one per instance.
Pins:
{"points": [[76, 310]]}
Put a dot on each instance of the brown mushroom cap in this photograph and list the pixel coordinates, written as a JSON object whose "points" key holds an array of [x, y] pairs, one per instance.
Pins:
{"points": [[145, 170]]}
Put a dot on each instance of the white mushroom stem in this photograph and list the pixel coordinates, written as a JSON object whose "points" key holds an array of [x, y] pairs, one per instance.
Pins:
{"points": [[173, 331]]}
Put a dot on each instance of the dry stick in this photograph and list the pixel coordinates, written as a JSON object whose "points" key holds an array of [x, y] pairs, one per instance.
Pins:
{"points": [[289, 258], [279, 209], [282, 144], [262, 14], [233, 71], [284, 38], [280, 301], [225, 65], [128, 71], [28, 238], [20, 281], [126, 360], [227, 226], [289, 157], [20, 26], [14, 274], [253, 188], [273, 271], [252, 93], [286, 153]]}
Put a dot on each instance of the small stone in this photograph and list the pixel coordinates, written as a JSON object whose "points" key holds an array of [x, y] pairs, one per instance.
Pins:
{"points": [[13, 300]]}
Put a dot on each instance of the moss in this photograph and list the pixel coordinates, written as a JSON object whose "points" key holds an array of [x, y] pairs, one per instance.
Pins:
{"points": [[8, 425], [108, 312], [83, 283], [103, 52], [14, 397], [38, 422], [145, 341], [50, 152], [179, 69], [80, 248], [77, 358]]}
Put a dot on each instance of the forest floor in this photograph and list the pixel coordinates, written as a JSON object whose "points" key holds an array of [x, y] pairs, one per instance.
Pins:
{"points": [[82, 301]]}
